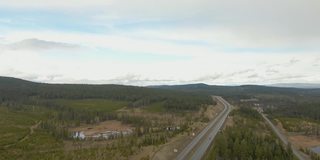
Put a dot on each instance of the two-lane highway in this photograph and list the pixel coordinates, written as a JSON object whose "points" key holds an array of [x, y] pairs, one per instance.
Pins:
{"points": [[196, 149]]}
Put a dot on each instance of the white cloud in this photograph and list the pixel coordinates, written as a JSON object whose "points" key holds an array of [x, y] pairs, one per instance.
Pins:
{"points": [[206, 63], [224, 42], [57, 4], [117, 42], [217, 68], [286, 15], [243, 23], [36, 44]]}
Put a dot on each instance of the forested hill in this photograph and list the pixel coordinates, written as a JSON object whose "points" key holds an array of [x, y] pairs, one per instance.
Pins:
{"points": [[179, 97], [241, 91], [17, 90]]}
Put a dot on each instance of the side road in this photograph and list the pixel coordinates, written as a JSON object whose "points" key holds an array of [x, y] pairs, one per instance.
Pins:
{"points": [[284, 139]]}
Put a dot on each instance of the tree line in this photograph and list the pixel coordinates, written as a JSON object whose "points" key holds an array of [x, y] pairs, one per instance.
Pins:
{"points": [[302, 110], [24, 92]]}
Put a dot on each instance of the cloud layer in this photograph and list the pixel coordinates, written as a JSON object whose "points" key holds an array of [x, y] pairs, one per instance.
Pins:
{"points": [[147, 42], [36, 44]]}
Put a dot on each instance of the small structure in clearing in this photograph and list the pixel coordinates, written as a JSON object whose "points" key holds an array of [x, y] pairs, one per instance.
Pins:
{"points": [[78, 135], [103, 130]]}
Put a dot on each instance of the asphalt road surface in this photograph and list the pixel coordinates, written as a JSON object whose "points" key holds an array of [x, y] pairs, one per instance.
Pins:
{"points": [[284, 139], [196, 149]]}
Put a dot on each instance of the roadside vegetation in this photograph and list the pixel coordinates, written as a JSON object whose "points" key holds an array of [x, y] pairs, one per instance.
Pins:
{"points": [[301, 123], [248, 138]]}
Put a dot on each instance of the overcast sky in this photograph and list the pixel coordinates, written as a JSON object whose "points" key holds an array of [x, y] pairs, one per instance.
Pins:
{"points": [[149, 42]]}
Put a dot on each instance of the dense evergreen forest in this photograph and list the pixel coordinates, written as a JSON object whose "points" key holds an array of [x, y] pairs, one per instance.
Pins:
{"points": [[19, 91], [247, 139], [306, 110], [69, 105], [40, 117], [290, 102], [266, 94]]}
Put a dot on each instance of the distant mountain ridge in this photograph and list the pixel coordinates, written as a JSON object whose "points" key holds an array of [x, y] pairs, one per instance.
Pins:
{"points": [[19, 87], [297, 85], [243, 91], [13, 80]]}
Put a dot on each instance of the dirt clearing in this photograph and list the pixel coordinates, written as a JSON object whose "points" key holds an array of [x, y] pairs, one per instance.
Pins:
{"points": [[304, 141], [113, 125]]}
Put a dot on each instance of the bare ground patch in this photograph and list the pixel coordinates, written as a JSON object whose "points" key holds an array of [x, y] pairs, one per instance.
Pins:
{"points": [[304, 141], [280, 126], [299, 140], [112, 125], [213, 111], [229, 122]]}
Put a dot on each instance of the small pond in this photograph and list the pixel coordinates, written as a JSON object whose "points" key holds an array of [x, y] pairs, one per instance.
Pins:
{"points": [[315, 149]]}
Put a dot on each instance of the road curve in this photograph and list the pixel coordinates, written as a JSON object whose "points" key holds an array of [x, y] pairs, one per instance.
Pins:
{"points": [[284, 139], [196, 149]]}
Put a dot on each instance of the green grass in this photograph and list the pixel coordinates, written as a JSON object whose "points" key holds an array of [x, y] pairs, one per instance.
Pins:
{"points": [[39, 145], [307, 126], [155, 107], [289, 122], [99, 105], [15, 125]]}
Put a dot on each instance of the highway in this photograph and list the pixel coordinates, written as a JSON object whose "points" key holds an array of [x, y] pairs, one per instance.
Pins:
{"points": [[196, 149], [284, 139]]}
